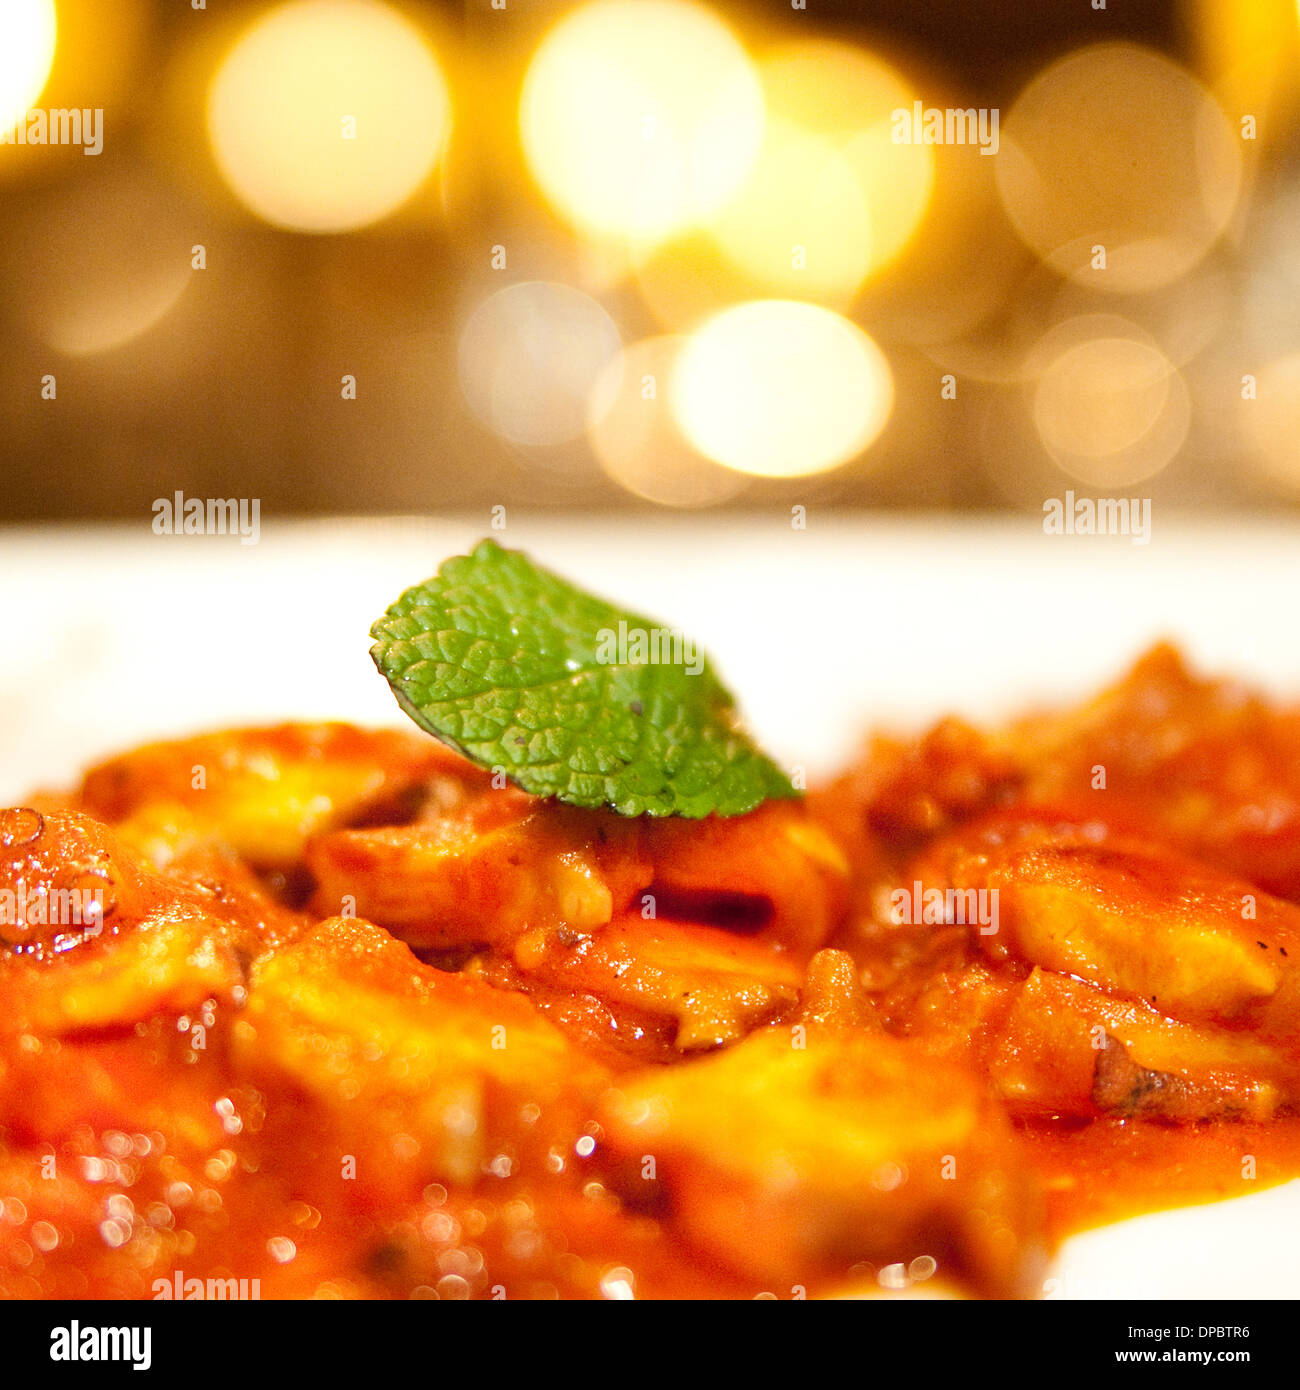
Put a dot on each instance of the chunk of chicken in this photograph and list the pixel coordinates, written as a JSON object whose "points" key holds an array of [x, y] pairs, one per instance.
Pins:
{"points": [[798, 1163], [261, 792], [418, 1073], [465, 879], [96, 939], [1207, 765], [504, 863], [1138, 919], [1051, 1044], [709, 986]]}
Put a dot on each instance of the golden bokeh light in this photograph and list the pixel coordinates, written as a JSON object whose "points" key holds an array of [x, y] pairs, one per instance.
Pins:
{"points": [[781, 389], [1272, 422], [685, 280], [111, 259], [1249, 52], [1118, 168], [832, 197], [639, 117], [98, 53], [1185, 317], [964, 267], [530, 357], [30, 29], [801, 224], [328, 114], [634, 435], [1110, 410]]}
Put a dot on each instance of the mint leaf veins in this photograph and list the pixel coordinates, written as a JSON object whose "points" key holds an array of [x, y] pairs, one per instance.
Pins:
{"points": [[566, 694]]}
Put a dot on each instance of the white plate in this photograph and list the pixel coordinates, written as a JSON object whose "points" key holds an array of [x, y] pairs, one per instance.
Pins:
{"points": [[116, 636]]}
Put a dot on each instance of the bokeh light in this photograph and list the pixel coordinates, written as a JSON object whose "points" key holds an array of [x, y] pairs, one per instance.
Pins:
{"points": [[1272, 422], [328, 114], [801, 223], [1111, 409], [1117, 147], [781, 389], [685, 280], [30, 30], [639, 117], [964, 267], [832, 198], [530, 357], [634, 435], [682, 200], [1249, 54], [112, 258]]}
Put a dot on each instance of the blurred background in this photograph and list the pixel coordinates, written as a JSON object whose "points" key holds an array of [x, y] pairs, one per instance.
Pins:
{"points": [[351, 256]]}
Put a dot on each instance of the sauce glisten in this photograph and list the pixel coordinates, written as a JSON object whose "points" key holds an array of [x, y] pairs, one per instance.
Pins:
{"points": [[319, 1012]]}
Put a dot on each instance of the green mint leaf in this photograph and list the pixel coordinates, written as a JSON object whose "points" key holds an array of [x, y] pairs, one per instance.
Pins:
{"points": [[568, 695]]}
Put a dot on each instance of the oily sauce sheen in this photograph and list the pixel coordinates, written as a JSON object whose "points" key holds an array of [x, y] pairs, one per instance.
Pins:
{"points": [[314, 1011]]}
